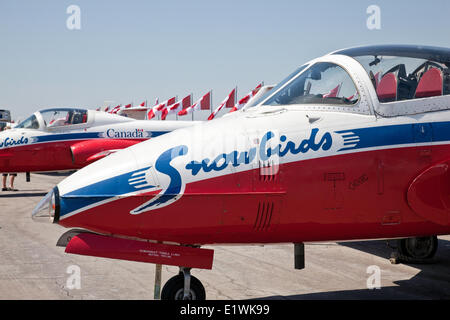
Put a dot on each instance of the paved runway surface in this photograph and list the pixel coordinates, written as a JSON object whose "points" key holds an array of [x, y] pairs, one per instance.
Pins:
{"points": [[32, 267]]}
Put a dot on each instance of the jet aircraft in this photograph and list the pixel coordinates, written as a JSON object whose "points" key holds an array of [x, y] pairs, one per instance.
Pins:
{"points": [[61, 139], [352, 145]]}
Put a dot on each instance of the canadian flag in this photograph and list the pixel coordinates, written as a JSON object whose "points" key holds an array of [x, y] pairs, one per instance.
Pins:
{"points": [[158, 109], [247, 98], [115, 109], [128, 106], [229, 102], [186, 102], [333, 93], [143, 104], [156, 103], [204, 103]]}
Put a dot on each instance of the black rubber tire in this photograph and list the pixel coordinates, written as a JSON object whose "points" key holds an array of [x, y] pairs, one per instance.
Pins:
{"points": [[418, 248], [174, 288]]}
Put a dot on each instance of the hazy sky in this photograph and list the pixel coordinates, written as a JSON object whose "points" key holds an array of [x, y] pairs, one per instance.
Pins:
{"points": [[130, 51]]}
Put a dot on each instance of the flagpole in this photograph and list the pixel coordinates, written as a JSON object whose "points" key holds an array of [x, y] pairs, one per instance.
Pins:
{"points": [[210, 102], [192, 100], [176, 101], [235, 99]]}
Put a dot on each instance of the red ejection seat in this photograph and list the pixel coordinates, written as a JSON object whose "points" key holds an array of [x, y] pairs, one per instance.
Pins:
{"points": [[430, 84], [387, 88]]}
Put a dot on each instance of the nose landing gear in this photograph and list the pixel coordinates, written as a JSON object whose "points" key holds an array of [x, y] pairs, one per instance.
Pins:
{"points": [[183, 286]]}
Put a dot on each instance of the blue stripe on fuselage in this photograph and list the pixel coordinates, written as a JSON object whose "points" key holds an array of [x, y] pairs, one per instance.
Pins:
{"points": [[153, 134], [84, 135], [395, 135], [97, 192], [67, 136]]}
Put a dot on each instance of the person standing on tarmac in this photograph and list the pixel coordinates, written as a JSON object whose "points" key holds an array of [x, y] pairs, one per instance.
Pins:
{"points": [[12, 176]]}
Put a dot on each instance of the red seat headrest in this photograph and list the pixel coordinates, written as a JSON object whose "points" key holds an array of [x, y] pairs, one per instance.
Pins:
{"points": [[387, 88], [430, 84], [377, 79]]}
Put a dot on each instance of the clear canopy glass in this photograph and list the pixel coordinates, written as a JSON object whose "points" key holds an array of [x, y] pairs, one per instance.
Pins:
{"points": [[63, 117], [322, 83], [29, 123], [397, 78]]}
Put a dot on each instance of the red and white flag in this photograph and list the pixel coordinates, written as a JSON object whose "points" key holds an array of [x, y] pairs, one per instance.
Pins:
{"points": [[143, 104], [333, 93], [228, 102], [354, 96], [115, 109], [186, 102], [106, 109], [159, 108], [242, 102], [128, 106], [204, 103]]}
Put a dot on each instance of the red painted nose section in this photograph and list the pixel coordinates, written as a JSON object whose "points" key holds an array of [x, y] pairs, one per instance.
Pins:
{"points": [[89, 244]]}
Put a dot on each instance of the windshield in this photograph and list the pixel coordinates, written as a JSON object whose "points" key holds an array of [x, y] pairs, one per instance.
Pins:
{"points": [[322, 83], [29, 123], [279, 85], [398, 78], [5, 115]]}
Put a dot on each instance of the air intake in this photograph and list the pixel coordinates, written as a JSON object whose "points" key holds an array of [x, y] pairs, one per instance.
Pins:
{"points": [[264, 216], [268, 171]]}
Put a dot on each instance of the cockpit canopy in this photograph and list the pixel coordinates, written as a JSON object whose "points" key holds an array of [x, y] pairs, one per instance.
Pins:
{"points": [[397, 73], [405, 72], [54, 118]]}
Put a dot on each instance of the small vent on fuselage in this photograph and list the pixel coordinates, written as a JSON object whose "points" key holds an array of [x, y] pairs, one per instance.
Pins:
{"points": [[268, 171], [263, 216]]}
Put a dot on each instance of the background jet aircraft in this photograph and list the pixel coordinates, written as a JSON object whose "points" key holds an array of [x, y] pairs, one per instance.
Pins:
{"points": [[353, 145], [67, 138]]}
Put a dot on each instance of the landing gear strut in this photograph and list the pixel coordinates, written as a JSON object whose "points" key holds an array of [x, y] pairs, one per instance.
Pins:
{"points": [[415, 250], [183, 287]]}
